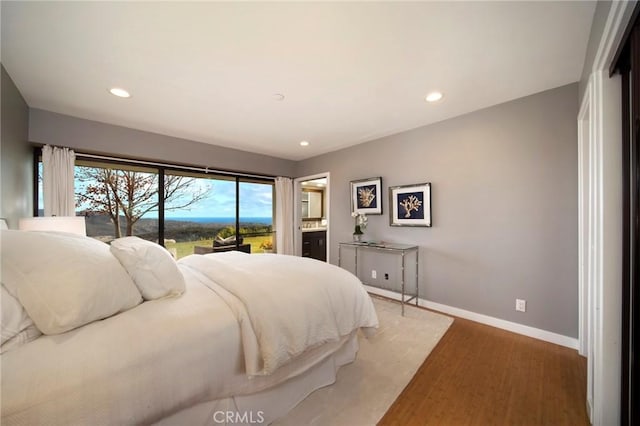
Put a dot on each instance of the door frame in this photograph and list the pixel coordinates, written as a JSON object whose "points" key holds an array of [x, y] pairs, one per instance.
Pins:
{"points": [[297, 211], [600, 237], [586, 278]]}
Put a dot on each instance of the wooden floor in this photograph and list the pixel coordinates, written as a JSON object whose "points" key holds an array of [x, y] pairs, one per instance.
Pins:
{"points": [[480, 375]]}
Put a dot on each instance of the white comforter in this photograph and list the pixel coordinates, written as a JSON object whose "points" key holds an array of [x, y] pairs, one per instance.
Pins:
{"points": [[156, 359], [288, 304]]}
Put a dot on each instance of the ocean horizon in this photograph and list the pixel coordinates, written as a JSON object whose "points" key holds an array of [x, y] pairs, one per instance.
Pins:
{"points": [[222, 220]]}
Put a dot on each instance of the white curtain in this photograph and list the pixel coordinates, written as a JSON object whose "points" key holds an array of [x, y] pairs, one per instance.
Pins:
{"points": [[57, 181], [284, 216]]}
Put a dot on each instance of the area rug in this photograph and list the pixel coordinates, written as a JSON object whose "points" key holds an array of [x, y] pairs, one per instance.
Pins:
{"points": [[366, 388]]}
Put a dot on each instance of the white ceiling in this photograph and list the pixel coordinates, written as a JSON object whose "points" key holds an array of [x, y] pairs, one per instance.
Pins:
{"points": [[350, 72]]}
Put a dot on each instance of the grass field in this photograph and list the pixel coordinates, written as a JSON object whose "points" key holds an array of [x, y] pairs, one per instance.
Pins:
{"points": [[186, 248]]}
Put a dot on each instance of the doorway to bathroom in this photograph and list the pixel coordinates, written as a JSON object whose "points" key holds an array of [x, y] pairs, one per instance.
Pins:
{"points": [[312, 216]]}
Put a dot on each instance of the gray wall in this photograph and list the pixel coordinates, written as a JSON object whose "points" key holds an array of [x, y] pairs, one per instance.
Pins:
{"points": [[504, 203], [16, 168], [47, 127]]}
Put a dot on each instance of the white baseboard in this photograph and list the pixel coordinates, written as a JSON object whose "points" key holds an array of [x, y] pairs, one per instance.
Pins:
{"points": [[536, 333]]}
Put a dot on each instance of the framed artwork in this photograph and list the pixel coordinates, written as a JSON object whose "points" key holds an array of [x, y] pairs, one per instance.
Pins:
{"points": [[366, 196], [410, 205]]}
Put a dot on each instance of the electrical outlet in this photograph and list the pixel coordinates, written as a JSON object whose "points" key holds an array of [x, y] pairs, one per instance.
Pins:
{"points": [[374, 274], [386, 276], [521, 305]]}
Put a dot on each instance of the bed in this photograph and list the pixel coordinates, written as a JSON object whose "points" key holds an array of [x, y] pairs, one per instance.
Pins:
{"points": [[122, 334]]}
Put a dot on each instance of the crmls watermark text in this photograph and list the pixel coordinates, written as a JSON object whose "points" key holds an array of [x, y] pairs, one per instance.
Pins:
{"points": [[235, 417]]}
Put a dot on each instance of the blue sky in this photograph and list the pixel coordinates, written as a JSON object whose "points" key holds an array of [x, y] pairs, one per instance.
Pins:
{"points": [[256, 200]]}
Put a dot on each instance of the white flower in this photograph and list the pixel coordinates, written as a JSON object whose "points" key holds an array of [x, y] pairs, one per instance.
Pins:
{"points": [[362, 220]]}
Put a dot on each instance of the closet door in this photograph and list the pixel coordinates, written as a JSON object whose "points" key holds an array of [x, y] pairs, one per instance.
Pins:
{"points": [[629, 67]]}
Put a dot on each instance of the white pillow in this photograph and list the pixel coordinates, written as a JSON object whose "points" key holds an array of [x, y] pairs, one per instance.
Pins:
{"points": [[151, 266], [17, 326], [64, 281], [25, 336]]}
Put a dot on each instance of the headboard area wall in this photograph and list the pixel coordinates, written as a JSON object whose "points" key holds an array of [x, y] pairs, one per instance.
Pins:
{"points": [[16, 153]]}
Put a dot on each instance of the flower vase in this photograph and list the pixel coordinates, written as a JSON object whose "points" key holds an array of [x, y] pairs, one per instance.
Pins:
{"points": [[357, 238]]}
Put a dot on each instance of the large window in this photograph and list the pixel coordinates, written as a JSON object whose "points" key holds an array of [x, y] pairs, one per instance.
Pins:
{"points": [[195, 211], [117, 200]]}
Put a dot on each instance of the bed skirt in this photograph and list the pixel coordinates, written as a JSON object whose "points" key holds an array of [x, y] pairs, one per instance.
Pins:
{"points": [[262, 408]]}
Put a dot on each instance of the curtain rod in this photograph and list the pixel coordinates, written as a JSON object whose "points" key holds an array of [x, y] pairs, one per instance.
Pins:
{"points": [[175, 166]]}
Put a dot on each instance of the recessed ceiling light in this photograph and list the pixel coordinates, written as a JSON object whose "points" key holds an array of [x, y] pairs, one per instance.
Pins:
{"points": [[304, 143], [434, 96], [278, 97], [121, 93]]}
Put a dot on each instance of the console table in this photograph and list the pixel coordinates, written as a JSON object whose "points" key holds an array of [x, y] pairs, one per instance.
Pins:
{"points": [[393, 249]]}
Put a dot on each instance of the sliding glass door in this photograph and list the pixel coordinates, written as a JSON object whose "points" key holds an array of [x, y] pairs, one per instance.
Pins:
{"points": [[194, 212], [256, 214], [198, 208]]}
